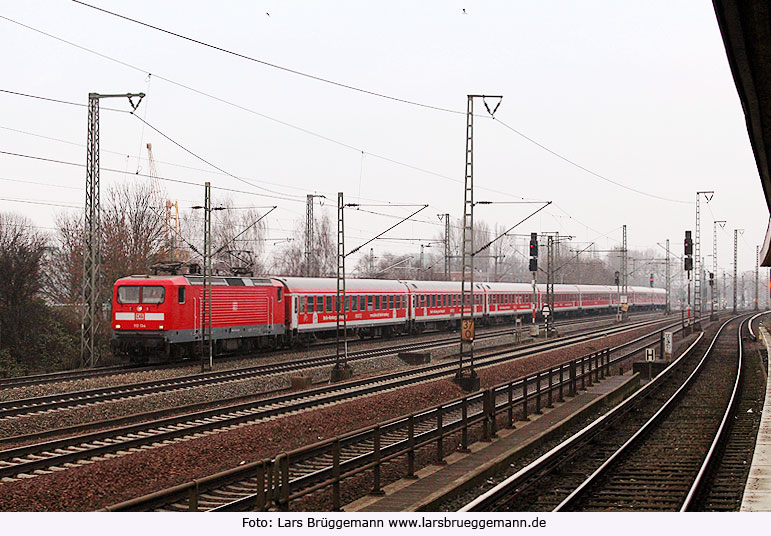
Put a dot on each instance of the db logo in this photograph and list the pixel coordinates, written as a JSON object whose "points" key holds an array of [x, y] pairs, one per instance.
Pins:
{"points": [[140, 316]]}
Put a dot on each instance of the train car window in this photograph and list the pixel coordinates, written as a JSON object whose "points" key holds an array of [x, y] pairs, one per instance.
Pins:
{"points": [[328, 307], [311, 302], [128, 294], [355, 303], [369, 303], [320, 304], [153, 294], [390, 302], [377, 303], [181, 294]]}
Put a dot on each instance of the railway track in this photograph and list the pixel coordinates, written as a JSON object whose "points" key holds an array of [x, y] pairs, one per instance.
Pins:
{"points": [[236, 489], [726, 473], [68, 400], [98, 372], [39, 457], [648, 453]]}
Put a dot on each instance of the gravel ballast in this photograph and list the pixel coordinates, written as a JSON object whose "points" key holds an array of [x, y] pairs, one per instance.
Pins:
{"points": [[106, 482]]}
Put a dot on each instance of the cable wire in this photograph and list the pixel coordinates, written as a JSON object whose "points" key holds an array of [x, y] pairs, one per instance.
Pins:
{"points": [[587, 170], [272, 65]]}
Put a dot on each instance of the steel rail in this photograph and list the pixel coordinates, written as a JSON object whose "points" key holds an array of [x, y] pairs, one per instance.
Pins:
{"points": [[79, 374], [710, 457], [573, 496], [71, 399], [752, 333], [120, 439], [491, 497]]}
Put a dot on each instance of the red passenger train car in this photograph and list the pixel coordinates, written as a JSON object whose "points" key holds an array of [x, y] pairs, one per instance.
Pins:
{"points": [[162, 316]]}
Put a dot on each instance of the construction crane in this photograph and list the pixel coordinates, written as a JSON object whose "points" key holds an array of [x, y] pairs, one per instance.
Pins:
{"points": [[170, 214]]}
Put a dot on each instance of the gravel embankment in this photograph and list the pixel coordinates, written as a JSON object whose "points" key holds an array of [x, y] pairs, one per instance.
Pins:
{"points": [[193, 367], [179, 399], [106, 482]]}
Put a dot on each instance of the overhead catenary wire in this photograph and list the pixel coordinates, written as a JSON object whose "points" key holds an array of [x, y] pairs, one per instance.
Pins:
{"points": [[269, 64], [254, 112], [131, 173], [585, 169], [202, 159], [335, 141]]}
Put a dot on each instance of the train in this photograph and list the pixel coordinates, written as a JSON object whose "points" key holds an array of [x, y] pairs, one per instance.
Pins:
{"points": [[155, 316], [160, 317]]}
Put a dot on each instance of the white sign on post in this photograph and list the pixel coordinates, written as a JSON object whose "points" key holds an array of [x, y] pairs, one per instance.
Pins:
{"points": [[668, 342], [546, 310], [649, 355]]}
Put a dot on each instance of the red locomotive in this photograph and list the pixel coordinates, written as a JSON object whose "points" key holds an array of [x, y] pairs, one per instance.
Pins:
{"points": [[160, 316]]}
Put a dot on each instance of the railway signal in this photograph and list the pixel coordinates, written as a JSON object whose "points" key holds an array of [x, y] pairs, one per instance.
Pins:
{"points": [[688, 244], [651, 280], [533, 265]]}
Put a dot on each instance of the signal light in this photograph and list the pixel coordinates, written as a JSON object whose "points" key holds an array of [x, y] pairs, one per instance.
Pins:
{"points": [[688, 264], [617, 278], [533, 245], [651, 280], [711, 279], [688, 243], [533, 266]]}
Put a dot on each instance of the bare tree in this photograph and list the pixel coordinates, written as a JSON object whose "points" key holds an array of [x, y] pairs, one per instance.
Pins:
{"points": [[132, 241], [240, 239], [21, 252], [290, 260]]}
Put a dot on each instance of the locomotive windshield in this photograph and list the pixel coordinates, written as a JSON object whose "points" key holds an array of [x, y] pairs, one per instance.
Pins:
{"points": [[145, 294]]}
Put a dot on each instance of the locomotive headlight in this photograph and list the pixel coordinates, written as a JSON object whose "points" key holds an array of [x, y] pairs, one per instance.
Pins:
{"points": [[139, 308], [160, 327], [117, 326]]}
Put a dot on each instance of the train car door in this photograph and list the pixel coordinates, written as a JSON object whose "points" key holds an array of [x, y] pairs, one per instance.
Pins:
{"points": [[295, 308]]}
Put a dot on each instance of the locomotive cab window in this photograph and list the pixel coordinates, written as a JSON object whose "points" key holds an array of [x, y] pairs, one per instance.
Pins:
{"points": [[181, 294], [128, 294]]}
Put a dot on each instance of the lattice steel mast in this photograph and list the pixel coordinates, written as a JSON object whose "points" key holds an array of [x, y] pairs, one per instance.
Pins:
{"points": [[697, 260], [310, 262], [736, 236], [669, 283], [92, 232], [467, 377]]}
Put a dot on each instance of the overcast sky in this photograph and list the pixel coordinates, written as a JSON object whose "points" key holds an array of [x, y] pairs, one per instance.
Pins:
{"points": [[640, 93]]}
